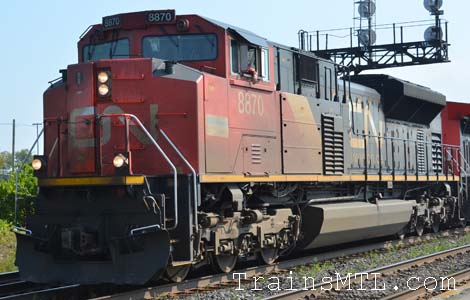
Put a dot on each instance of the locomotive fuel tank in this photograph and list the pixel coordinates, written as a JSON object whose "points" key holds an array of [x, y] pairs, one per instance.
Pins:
{"points": [[331, 224]]}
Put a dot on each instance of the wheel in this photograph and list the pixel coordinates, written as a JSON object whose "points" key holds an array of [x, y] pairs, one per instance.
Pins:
{"points": [[223, 263], [419, 227], [436, 223], [177, 274], [402, 233], [462, 223], [268, 255]]}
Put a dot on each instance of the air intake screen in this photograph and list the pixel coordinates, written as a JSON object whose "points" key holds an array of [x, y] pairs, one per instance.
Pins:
{"points": [[333, 147]]}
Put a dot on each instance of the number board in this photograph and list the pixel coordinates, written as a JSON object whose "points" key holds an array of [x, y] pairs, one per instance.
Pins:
{"points": [[161, 16], [111, 22]]}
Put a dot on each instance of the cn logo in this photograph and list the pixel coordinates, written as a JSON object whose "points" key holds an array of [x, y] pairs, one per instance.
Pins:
{"points": [[106, 125]]}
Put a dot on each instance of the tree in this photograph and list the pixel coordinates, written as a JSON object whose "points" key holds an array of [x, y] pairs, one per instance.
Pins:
{"points": [[5, 160], [20, 157], [23, 156], [27, 187]]}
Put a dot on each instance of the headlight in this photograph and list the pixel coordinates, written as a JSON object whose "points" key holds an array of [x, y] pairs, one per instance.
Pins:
{"points": [[36, 164], [119, 161], [103, 90], [103, 77]]}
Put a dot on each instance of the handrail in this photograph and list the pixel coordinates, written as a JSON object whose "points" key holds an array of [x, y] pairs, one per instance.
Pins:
{"points": [[196, 202], [467, 165], [454, 160], [165, 156], [143, 229], [464, 171], [32, 147], [21, 230]]}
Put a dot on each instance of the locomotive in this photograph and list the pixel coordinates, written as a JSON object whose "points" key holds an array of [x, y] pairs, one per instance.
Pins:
{"points": [[181, 141]]}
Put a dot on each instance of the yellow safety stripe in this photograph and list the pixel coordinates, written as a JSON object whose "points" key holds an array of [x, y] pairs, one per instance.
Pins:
{"points": [[219, 178], [79, 181]]}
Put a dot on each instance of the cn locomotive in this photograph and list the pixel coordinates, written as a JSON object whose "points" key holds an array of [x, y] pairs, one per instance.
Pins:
{"points": [[180, 141]]}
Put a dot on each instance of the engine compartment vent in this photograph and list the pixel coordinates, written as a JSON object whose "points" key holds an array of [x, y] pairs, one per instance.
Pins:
{"points": [[256, 154], [333, 146], [436, 153], [421, 152]]}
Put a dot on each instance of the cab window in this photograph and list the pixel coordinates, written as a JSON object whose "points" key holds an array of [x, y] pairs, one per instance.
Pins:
{"points": [[265, 64], [193, 47], [110, 50], [248, 60], [235, 57]]}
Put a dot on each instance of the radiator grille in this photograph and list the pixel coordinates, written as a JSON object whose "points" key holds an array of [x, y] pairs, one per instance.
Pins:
{"points": [[436, 153], [421, 147], [333, 145]]}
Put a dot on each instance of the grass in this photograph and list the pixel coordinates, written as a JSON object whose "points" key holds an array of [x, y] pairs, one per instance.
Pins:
{"points": [[7, 248]]}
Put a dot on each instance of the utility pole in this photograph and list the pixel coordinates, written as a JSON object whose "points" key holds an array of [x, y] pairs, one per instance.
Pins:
{"points": [[13, 147], [15, 169], [37, 136]]}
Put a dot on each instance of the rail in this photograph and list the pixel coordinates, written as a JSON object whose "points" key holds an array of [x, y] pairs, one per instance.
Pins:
{"points": [[129, 117], [9, 277], [307, 294], [220, 281]]}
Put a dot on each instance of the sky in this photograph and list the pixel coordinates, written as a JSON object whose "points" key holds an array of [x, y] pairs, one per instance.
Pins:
{"points": [[40, 37]]}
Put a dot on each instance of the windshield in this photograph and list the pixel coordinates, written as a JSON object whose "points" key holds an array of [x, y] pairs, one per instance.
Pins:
{"points": [[181, 47], [115, 49]]}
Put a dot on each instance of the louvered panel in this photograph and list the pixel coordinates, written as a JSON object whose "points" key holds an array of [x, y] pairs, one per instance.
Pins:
{"points": [[333, 145], [436, 153], [421, 152], [256, 154]]}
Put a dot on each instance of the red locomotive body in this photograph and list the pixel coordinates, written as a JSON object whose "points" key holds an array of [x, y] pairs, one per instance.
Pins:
{"points": [[180, 140]]}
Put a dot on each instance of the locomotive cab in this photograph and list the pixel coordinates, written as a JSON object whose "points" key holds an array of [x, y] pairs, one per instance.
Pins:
{"points": [[121, 152]]}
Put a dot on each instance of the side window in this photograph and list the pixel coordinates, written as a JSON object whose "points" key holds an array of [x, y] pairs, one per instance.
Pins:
{"points": [[265, 64], [235, 56], [328, 84], [249, 60]]}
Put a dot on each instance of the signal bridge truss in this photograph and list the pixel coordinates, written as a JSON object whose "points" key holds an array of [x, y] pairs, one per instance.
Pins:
{"points": [[360, 56]]}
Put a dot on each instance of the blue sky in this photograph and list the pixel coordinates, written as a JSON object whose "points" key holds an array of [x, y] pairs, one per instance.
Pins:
{"points": [[40, 37]]}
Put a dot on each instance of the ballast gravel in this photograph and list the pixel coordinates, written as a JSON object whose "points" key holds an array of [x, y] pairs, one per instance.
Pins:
{"points": [[301, 277]]}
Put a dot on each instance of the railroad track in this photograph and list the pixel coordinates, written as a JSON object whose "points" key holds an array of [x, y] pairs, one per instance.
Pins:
{"points": [[69, 292], [220, 281], [12, 287], [9, 277], [409, 294], [460, 278]]}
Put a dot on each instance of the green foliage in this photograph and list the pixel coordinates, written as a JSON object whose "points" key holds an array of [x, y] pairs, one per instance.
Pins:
{"points": [[20, 158], [27, 187], [7, 248], [4, 159]]}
